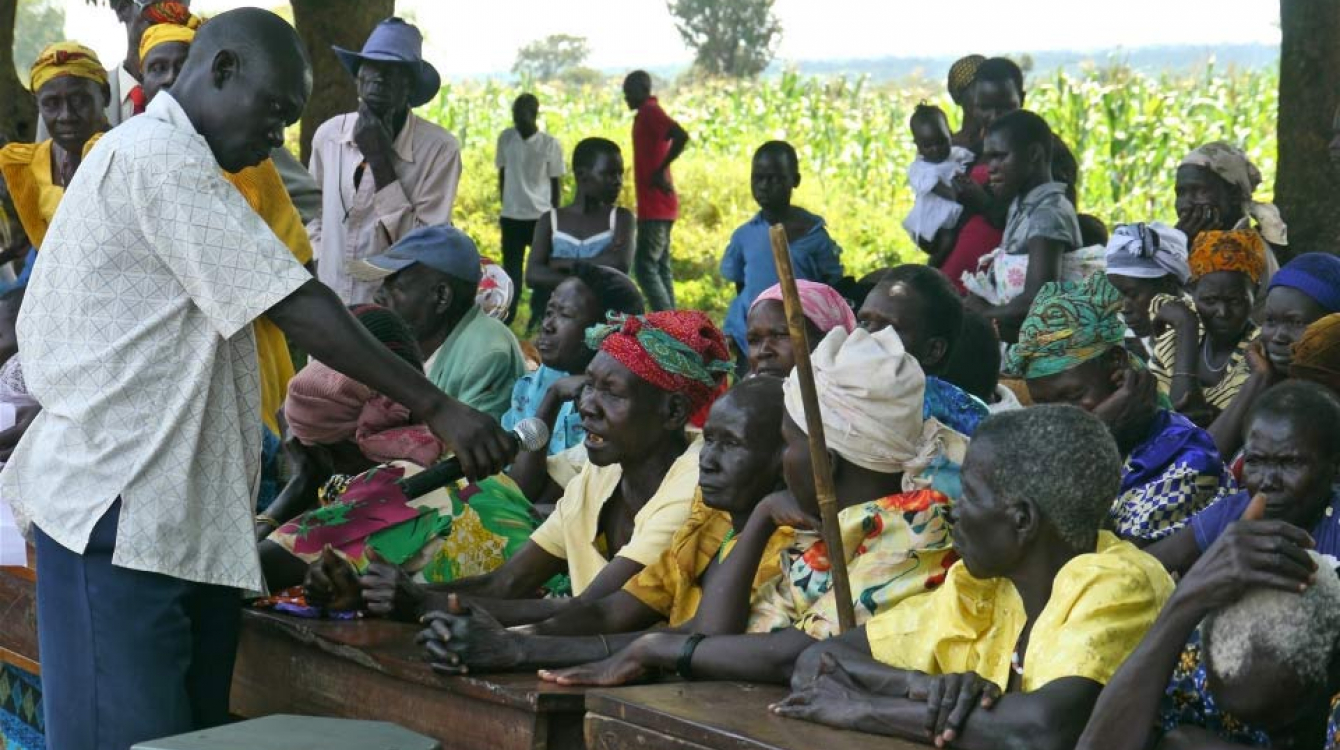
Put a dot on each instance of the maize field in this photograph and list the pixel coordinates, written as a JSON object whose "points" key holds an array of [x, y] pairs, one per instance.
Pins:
{"points": [[1127, 130]]}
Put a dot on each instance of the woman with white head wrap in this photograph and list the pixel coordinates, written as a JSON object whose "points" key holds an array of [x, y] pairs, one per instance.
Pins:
{"points": [[1144, 261], [871, 395]]}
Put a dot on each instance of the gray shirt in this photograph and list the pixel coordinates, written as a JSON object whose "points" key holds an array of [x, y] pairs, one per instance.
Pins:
{"points": [[1043, 212]]}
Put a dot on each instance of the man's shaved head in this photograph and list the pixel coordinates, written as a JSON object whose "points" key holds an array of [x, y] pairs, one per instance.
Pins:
{"points": [[245, 79], [255, 32]]}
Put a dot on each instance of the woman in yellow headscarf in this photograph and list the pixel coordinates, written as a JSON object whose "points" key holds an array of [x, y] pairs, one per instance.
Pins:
{"points": [[71, 89], [163, 49]]}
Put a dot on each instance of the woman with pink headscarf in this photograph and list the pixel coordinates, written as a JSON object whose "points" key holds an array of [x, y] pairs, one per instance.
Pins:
{"points": [[769, 340]]}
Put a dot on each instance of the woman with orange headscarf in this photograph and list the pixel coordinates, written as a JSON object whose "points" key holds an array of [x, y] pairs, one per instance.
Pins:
{"points": [[1200, 357]]}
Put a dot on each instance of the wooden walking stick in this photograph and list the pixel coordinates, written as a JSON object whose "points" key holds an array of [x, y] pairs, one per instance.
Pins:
{"points": [[814, 427]]}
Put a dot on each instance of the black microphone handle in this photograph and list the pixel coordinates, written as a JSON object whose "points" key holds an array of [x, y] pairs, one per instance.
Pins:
{"points": [[438, 475]]}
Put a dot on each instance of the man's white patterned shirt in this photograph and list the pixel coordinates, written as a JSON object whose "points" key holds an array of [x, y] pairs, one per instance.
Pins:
{"points": [[137, 340]]}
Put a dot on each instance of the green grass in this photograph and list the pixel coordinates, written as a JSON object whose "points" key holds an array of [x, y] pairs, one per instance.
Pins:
{"points": [[1127, 130]]}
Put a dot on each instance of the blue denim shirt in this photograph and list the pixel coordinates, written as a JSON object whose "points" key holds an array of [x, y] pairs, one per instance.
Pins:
{"points": [[526, 397], [748, 260]]}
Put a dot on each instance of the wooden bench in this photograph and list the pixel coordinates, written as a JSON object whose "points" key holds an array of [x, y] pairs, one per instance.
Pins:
{"points": [[711, 716], [372, 669], [18, 618]]}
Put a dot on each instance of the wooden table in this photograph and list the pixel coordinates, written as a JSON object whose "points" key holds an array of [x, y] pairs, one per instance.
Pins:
{"points": [[711, 716], [18, 618], [371, 669]]}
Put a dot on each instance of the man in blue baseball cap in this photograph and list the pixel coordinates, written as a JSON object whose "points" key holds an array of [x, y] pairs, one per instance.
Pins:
{"points": [[430, 278], [383, 171]]}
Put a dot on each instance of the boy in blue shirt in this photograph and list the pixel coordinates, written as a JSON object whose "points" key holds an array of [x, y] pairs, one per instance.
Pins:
{"points": [[748, 261]]}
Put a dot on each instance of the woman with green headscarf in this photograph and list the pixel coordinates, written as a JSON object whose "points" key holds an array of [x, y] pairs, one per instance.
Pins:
{"points": [[1071, 351]]}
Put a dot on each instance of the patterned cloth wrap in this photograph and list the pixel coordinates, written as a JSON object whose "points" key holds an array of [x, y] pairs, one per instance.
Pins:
{"points": [[821, 304], [495, 290], [1316, 356], [1176, 471], [1000, 276], [65, 59], [172, 22], [1187, 701], [679, 351], [954, 407], [1169, 478], [451, 533], [896, 547], [962, 74], [1240, 250], [1147, 251], [1067, 325], [1233, 166], [170, 12]]}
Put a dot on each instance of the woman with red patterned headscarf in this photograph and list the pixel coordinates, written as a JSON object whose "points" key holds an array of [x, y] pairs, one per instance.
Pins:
{"points": [[650, 376]]}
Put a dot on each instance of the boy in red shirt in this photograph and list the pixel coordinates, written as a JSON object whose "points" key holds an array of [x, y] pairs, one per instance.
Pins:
{"points": [[657, 142]]}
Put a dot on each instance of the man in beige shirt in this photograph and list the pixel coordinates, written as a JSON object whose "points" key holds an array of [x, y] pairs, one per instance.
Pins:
{"points": [[383, 171]]}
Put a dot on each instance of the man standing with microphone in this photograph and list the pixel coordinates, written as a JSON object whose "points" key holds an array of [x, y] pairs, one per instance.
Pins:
{"points": [[140, 475]]}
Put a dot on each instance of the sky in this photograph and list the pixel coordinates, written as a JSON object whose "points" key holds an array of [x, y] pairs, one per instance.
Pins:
{"points": [[471, 38]]}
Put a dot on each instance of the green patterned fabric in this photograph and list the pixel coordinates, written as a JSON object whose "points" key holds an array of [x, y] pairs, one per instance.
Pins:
{"points": [[1068, 324]]}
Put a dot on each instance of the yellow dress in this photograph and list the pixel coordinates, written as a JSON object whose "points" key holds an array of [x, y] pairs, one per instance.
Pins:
{"points": [[26, 168], [673, 584], [1100, 607], [264, 191]]}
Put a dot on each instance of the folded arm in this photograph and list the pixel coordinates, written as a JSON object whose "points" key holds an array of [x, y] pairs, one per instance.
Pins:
{"points": [[619, 612]]}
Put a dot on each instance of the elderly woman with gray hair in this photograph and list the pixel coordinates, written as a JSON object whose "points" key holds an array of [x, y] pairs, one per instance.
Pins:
{"points": [[1243, 655], [1016, 645]]}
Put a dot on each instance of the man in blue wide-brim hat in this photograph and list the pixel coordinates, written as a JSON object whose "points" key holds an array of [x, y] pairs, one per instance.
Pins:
{"points": [[383, 171]]}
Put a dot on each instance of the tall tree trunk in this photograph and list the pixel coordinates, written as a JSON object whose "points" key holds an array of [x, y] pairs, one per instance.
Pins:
{"points": [[322, 23], [18, 111], [1305, 185]]}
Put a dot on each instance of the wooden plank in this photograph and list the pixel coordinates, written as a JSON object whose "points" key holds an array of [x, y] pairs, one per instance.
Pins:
{"points": [[371, 669], [18, 619], [605, 733], [711, 716]]}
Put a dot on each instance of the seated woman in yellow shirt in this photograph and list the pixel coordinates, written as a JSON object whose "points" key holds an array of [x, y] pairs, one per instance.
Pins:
{"points": [[650, 375], [739, 465], [71, 89], [163, 49], [1037, 616]]}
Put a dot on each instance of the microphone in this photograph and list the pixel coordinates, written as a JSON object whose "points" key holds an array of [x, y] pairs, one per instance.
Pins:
{"points": [[530, 434]]}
